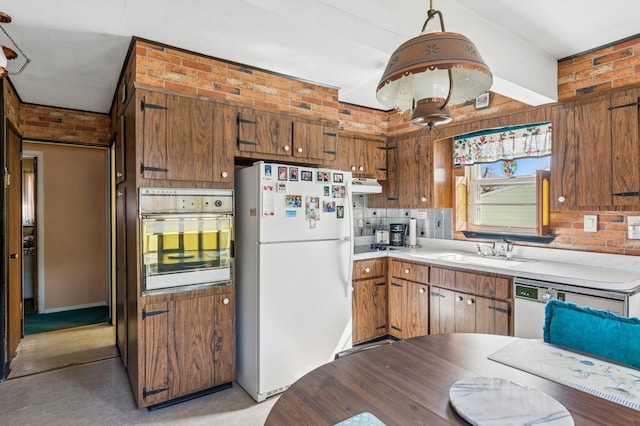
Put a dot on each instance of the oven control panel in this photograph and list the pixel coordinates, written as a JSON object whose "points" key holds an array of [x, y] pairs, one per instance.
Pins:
{"points": [[186, 201]]}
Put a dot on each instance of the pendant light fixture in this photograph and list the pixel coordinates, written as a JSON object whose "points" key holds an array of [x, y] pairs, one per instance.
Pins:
{"points": [[8, 53], [432, 71]]}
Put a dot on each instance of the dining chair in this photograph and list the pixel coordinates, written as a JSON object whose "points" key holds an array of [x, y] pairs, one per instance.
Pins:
{"points": [[593, 331]]}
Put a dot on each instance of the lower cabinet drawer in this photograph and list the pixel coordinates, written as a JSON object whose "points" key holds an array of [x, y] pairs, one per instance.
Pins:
{"points": [[410, 271]]}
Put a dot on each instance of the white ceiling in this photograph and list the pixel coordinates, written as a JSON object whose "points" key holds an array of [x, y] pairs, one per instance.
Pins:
{"points": [[78, 47]]}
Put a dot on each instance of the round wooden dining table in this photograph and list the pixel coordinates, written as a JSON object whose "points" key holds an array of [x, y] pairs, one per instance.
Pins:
{"points": [[408, 382]]}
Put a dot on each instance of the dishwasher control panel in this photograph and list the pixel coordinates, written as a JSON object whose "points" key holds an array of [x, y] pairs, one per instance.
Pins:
{"points": [[538, 294]]}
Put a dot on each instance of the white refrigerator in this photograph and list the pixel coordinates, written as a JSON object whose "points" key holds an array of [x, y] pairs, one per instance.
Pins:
{"points": [[293, 255]]}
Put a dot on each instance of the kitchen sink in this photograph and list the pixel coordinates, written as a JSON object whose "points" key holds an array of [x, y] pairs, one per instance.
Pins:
{"points": [[475, 259]]}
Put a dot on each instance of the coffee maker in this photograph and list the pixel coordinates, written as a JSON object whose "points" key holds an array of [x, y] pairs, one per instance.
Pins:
{"points": [[396, 234]]}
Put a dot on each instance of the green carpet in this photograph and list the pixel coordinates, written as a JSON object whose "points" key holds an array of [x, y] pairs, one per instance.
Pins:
{"points": [[40, 323]]}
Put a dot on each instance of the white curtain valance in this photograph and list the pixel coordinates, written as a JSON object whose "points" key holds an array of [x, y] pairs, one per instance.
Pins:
{"points": [[505, 143]]}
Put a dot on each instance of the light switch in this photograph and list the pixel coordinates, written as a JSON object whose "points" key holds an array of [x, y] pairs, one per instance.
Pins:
{"points": [[590, 223], [633, 227]]}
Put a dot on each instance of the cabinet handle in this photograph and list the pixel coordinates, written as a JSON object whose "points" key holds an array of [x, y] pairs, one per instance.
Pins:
{"points": [[561, 199], [469, 301], [423, 199], [421, 291], [406, 271], [224, 174], [144, 168], [361, 168], [353, 168], [367, 270], [460, 298], [286, 148], [225, 301], [299, 149], [14, 256], [120, 193], [118, 174], [625, 194]]}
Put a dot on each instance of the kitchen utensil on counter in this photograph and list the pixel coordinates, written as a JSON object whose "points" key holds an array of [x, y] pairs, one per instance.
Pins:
{"points": [[382, 236], [411, 234], [396, 234]]}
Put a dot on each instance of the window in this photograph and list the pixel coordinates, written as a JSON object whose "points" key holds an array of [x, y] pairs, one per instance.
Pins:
{"points": [[504, 196], [505, 185]]}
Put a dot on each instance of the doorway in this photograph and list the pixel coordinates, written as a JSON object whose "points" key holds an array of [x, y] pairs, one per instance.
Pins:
{"points": [[69, 216], [66, 229]]}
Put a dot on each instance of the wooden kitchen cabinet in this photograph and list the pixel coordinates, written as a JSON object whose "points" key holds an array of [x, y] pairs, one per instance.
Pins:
{"points": [[312, 141], [369, 303], [408, 299], [596, 152], [364, 156], [264, 133], [188, 345], [424, 163], [469, 302], [456, 312], [183, 139]]}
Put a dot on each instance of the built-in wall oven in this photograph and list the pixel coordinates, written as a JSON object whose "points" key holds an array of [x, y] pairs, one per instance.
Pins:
{"points": [[531, 297], [186, 238]]}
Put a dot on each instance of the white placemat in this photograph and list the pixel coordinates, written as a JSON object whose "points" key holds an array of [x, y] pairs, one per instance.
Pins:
{"points": [[604, 379]]}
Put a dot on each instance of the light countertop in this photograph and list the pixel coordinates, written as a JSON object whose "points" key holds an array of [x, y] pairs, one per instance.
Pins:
{"points": [[592, 270]]}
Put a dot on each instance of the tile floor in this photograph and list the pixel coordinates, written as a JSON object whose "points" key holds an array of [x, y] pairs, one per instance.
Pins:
{"points": [[75, 377]]}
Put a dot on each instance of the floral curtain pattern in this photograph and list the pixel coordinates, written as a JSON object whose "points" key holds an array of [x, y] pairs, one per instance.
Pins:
{"points": [[506, 143]]}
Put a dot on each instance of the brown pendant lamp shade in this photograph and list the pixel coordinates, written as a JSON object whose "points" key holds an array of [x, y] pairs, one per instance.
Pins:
{"points": [[431, 71]]}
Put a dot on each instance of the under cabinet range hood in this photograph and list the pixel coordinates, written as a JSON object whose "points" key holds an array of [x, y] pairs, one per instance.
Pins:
{"points": [[365, 186]]}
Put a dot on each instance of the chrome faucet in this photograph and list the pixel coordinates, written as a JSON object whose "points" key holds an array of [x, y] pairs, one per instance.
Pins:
{"points": [[486, 249]]}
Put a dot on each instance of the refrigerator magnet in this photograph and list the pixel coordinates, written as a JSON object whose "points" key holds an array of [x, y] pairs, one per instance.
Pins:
{"points": [[293, 174], [339, 191], [306, 175], [267, 169], [282, 173], [282, 187], [293, 201], [327, 191], [323, 176], [338, 178], [312, 209], [290, 213], [328, 206], [340, 212]]}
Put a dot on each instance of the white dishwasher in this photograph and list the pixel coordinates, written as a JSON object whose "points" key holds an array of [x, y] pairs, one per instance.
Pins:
{"points": [[531, 297]]}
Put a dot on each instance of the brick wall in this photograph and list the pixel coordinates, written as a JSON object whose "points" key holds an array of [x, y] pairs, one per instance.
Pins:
{"points": [[65, 125], [607, 68], [400, 122], [610, 238], [359, 119], [180, 71]]}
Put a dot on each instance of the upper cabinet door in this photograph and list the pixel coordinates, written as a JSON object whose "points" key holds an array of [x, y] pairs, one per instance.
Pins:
{"points": [[593, 142], [414, 166], [264, 133], [315, 142], [563, 160], [178, 138], [596, 153], [625, 149], [190, 139], [154, 112], [225, 133]]}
